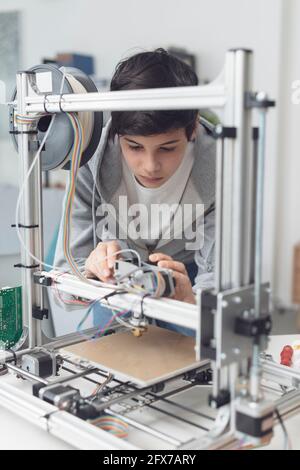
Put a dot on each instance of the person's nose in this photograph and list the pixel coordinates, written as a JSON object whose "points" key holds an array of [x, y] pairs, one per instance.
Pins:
{"points": [[151, 164]]}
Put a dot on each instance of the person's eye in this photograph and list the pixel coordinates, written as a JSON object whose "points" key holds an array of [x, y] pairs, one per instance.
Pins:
{"points": [[167, 149], [135, 148]]}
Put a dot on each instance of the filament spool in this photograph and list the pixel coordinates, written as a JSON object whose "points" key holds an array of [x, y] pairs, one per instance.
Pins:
{"points": [[59, 144]]}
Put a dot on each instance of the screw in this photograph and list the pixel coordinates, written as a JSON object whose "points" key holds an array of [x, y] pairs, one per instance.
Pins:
{"points": [[219, 129], [261, 96]]}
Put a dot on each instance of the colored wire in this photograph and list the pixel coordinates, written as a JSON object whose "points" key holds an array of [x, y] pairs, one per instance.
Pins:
{"points": [[96, 392], [75, 165], [113, 425], [64, 300], [27, 120], [91, 305], [103, 330], [25, 182]]}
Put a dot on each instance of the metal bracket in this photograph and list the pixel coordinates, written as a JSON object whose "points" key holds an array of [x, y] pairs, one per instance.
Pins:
{"points": [[253, 327], [221, 312], [39, 313], [258, 100], [222, 132], [223, 398], [42, 280]]}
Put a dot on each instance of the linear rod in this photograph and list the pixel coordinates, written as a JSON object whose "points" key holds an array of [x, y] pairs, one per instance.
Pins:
{"points": [[180, 313], [209, 96]]}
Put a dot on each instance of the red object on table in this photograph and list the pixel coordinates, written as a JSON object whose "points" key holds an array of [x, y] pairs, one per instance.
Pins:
{"points": [[286, 356]]}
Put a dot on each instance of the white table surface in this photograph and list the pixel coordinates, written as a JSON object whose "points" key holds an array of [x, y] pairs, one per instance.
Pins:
{"points": [[16, 433]]}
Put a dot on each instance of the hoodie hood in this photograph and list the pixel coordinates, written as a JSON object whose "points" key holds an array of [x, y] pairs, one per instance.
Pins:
{"points": [[106, 166]]}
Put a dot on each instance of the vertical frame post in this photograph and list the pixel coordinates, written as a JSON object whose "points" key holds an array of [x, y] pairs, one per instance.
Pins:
{"points": [[28, 218]]}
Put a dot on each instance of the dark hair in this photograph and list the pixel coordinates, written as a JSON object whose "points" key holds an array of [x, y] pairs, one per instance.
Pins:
{"points": [[156, 69]]}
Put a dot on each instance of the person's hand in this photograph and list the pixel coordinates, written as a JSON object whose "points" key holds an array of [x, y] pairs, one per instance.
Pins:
{"points": [[183, 288], [100, 262]]}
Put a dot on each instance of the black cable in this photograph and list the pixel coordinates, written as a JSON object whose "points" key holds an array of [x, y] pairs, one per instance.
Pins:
{"points": [[105, 297], [111, 294], [14, 355], [284, 430], [142, 301]]}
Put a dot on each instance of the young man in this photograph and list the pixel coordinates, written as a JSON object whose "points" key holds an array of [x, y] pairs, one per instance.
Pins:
{"points": [[152, 159]]}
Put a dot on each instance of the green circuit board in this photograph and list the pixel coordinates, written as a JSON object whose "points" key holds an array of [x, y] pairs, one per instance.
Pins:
{"points": [[11, 324]]}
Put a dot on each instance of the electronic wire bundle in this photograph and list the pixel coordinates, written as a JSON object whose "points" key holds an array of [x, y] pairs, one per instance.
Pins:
{"points": [[75, 165]]}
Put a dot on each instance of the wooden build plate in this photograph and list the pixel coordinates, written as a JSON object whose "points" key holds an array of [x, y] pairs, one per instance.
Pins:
{"points": [[157, 355]]}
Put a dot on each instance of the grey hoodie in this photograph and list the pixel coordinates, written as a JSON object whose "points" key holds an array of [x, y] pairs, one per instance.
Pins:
{"points": [[102, 175]]}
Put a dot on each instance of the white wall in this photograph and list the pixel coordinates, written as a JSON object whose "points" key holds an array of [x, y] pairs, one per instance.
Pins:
{"points": [[112, 30], [288, 185]]}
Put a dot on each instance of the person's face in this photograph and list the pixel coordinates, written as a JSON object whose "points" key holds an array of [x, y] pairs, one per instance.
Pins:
{"points": [[154, 159]]}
